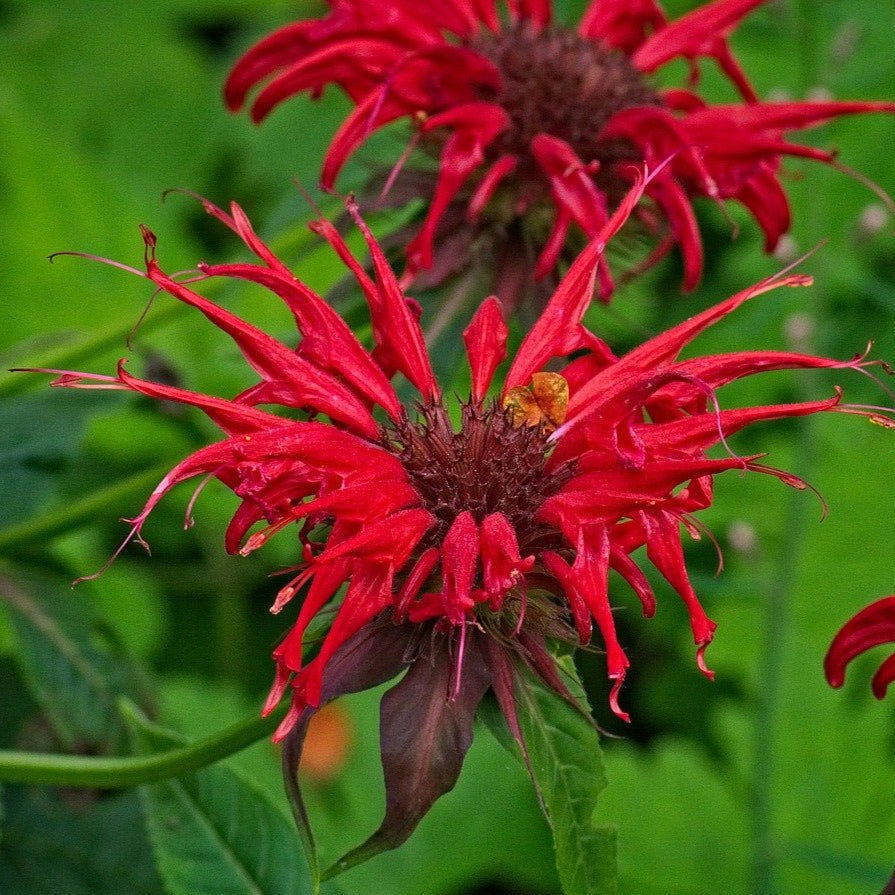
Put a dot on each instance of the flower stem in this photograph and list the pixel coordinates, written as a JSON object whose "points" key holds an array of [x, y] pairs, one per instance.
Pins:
{"points": [[68, 357], [78, 512], [776, 623], [120, 773], [775, 636]]}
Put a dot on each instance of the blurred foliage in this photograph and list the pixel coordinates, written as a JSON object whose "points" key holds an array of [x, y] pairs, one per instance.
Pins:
{"points": [[763, 782]]}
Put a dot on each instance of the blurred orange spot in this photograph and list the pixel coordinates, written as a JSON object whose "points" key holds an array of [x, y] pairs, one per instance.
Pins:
{"points": [[327, 744]]}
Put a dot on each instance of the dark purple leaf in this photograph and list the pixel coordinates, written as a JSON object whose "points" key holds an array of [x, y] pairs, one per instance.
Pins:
{"points": [[374, 655], [503, 686], [425, 732], [890, 887], [539, 659]]}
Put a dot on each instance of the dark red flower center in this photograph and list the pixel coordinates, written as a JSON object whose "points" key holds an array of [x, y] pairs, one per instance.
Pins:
{"points": [[488, 466], [557, 82]]}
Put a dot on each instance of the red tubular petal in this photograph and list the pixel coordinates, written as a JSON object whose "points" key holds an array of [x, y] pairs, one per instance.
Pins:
{"points": [[273, 52], [561, 570], [700, 431], [558, 330], [622, 24], [502, 566], [618, 680], [570, 183], [475, 126], [769, 204], [325, 581], [233, 418], [537, 11], [357, 64], [369, 592], [604, 496], [386, 540], [676, 205], [883, 677], [394, 324], [327, 340], [502, 168], [663, 547], [630, 571], [664, 348], [872, 626], [717, 370], [307, 384], [751, 148], [589, 576], [210, 459], [486, 345], [376, 110], [553, 246], [416, 579], [365, 502], [787, 116], [459, 555], [699, 33], [486, 12]]}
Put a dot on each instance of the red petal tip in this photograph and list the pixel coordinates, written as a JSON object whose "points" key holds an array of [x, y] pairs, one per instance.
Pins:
{"points": [[618, 679], [700, 661]]}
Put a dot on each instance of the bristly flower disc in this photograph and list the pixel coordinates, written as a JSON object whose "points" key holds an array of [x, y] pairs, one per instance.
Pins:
{"points": [[537, 126], [457, 543]]}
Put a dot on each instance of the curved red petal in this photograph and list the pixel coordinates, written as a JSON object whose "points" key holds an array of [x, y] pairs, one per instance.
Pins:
{"points": [[872, 626], [486, 345]]}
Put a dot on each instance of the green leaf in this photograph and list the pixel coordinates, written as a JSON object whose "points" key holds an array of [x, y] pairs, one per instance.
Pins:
{"points": [[40, 435], [74, 680], [74, 841], [214, 832], [566, 764]]}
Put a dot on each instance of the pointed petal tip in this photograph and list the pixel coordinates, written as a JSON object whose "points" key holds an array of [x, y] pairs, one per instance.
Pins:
{"points": [[287, 723], [883, 677], [618, 680], [700, 660]]}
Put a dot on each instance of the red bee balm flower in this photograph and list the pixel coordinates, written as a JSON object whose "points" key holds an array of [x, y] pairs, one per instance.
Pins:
{"points": [[527, 115], [466, 541], [872, 626]]}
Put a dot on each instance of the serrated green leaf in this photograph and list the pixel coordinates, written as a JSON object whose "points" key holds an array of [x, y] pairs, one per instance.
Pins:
{"points": [[567, 766], [214, 832], [74, 680]]}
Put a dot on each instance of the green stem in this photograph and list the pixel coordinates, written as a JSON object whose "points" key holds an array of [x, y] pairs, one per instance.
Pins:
{"points": [[79, 512], [776, 625], [120, 773], [70, 356], [298, 241], [775, 637]]}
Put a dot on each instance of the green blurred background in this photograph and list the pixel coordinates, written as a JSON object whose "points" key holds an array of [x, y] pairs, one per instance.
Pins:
{"points": [[764, 781]]}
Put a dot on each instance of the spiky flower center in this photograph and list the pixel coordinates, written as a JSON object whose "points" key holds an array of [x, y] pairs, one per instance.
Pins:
{"points": [[557, 82], [490, 465]]}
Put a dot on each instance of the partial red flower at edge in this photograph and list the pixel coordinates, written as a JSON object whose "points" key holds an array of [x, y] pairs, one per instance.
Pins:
{"points": [[526, 115], [872, 626], [456, 547]]}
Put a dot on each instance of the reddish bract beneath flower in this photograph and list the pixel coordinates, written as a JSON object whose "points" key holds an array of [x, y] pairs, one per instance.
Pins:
{"points": [[872, 626], [526, 115]]}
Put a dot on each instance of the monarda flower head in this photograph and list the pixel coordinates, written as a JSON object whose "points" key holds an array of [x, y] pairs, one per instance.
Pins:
{"points": [[535, 125], [456, 542]]}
